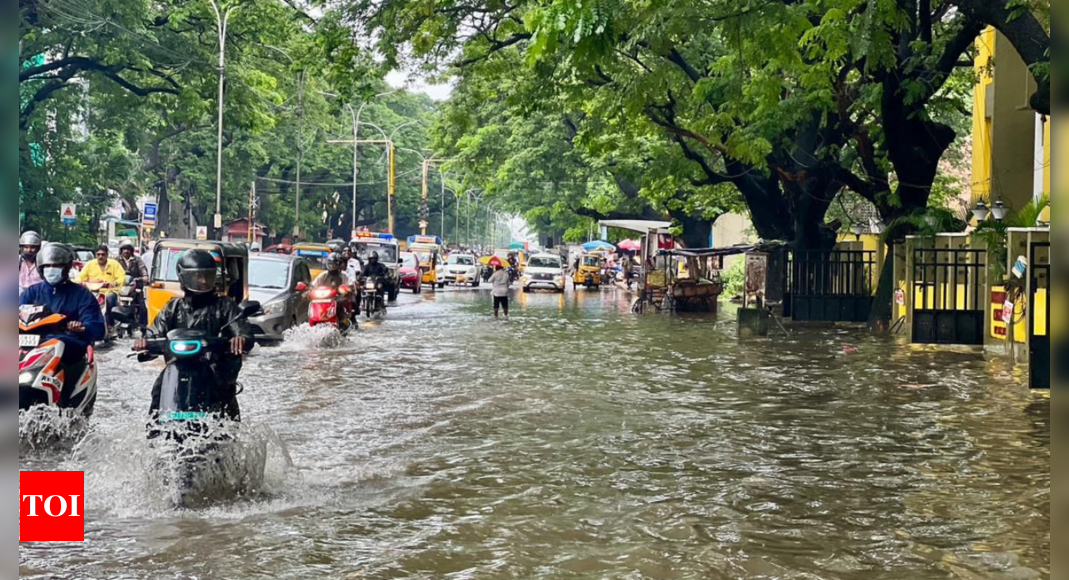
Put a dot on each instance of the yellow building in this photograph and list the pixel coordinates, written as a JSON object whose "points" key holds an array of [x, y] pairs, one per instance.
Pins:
{"points": [[1011, 143], [1012, 164]]}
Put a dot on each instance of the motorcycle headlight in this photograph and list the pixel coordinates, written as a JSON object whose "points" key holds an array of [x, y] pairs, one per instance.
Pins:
{"points": [[369, 286], [26, 378]]}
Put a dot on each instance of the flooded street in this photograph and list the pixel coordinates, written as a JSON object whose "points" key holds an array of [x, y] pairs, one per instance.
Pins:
{"points": [[578, 441]]}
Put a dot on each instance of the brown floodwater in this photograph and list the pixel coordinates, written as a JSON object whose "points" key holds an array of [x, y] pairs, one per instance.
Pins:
{"points": [[578, 441]]}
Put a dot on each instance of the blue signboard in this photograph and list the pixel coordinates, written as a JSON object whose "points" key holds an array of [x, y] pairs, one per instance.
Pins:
{"points": [[148, 218]]}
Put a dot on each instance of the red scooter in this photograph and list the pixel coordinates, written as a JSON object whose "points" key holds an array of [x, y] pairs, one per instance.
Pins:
{"points": [[331, 307]]}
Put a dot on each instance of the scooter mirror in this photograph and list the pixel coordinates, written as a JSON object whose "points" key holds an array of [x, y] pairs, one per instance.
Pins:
{"points": [[250, 308], [302, 287]]}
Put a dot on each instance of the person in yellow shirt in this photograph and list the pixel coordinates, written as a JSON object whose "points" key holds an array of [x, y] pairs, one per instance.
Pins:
{"points": [[108, 271]]}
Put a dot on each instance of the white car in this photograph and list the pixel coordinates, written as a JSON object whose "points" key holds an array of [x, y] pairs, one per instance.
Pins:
{"points": [[544, 271], [460, 269]]}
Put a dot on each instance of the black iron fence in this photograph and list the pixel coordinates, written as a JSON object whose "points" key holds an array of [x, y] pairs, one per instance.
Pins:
{"points": [[949, 299], [832, 285], [1039, 317]]}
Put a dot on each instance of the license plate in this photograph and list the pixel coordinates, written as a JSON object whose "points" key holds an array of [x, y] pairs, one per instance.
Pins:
{"points": [[29, 340], [187, 416]]}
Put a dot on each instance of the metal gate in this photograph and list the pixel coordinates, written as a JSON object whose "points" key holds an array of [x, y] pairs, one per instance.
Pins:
{"points": [[948, 305], [1039, 317], [832, 285]]}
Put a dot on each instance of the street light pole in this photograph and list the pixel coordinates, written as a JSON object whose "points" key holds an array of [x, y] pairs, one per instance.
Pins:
{"points": [[222, 20], [356, 161], [300, 155]]}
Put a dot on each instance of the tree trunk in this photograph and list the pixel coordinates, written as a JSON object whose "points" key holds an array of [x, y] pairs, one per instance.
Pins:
{"points": [[697, 230]]}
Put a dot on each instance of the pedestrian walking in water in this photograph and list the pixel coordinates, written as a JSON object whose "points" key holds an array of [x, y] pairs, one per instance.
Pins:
{"points": [[500, 282]]}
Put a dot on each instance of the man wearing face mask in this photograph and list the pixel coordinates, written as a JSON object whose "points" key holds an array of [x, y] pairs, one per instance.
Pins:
{"points": [[85, 323], [29, 246]]}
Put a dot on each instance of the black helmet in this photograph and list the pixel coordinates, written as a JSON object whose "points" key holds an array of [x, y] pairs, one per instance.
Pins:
{"points": [[374, 257], [30, 239], [335, 262], [197, 272], [56, 255], [126, 246]]}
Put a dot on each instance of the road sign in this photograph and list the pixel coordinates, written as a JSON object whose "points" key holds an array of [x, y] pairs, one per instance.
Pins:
{"points": [[68, 214], [148, 215], [202, 233]]}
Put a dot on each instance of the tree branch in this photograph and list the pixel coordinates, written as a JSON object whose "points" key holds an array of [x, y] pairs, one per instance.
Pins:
{"points": [[1027, 35], [676, 58], [495, 47]]}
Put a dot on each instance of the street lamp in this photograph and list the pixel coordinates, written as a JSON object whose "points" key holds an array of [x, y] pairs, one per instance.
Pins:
{"points": [[356, 141], [222, 21], [999, 211]]}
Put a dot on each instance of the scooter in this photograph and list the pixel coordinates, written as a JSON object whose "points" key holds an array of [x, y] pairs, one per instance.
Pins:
{"points": [[43, 378], [129, 308], [96, 287], [325, 309], [374, 298], [191, 423]]}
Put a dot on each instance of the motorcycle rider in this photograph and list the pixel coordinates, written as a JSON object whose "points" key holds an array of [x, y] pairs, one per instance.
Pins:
{"points": [[29, 246], [337, 279], [374, 268], [108, 271], [203, 309], [135, 268], [85, 323]]}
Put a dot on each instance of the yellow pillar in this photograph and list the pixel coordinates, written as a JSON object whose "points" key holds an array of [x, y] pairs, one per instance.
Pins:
{"points": [[982, 119], [393, 183]]}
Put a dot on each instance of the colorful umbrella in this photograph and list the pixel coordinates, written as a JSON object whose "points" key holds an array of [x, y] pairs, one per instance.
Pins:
{"points": [[630, 246], [598, 245]]}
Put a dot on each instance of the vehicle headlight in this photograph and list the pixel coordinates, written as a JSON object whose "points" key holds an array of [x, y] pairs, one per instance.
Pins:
{"points": [[26, 378], [274, 308]]}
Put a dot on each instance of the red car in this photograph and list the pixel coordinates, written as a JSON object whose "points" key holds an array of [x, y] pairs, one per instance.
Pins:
{"points": [[411, 274]]}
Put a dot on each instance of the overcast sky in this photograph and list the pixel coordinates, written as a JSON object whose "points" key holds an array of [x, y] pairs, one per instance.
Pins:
{"points": [[398, 80]]}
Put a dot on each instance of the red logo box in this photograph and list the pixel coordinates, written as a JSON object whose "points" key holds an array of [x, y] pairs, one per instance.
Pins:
{"points": [[51, 506]]}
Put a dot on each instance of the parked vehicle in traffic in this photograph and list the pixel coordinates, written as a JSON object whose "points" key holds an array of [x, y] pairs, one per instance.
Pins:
{"points": [[233, 281], [544, 271], [460, 270], [281, 284], [411, 275]]}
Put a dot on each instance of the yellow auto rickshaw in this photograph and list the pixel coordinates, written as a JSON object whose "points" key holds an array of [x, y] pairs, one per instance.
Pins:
{"points": [[233, 279], [429, 259], [588, 271], [315, 254]]}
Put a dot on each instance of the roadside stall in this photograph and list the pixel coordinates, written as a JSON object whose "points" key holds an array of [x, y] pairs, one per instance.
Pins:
{"points": [[652, 280]]}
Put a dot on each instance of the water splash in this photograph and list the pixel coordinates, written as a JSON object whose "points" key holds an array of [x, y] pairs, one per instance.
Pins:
{"points": [[131, 474], [45, 429], [304, 337]]}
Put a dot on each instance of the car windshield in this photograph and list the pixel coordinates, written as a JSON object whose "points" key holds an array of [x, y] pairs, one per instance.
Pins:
{"points": [[269, 274], [410, 260], [318, 258], [461, 260], [387, 252], [544, 262], [591, 261]]}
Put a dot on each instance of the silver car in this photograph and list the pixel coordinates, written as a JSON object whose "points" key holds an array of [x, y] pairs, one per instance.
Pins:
{"points": [[281, 284]]}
